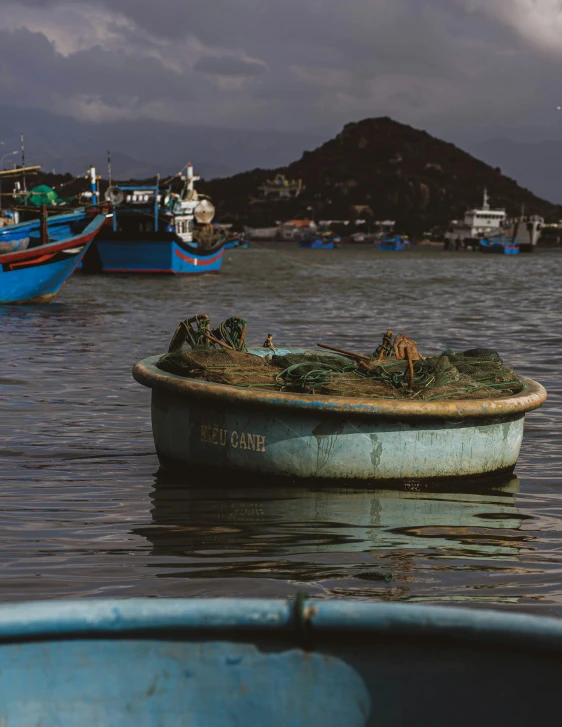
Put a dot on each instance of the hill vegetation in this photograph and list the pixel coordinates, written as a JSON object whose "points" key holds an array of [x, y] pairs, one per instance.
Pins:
{"points": [[398, 172]]}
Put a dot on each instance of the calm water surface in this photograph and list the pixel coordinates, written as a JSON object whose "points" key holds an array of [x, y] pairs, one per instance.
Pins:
{"points": [[85, 513]]}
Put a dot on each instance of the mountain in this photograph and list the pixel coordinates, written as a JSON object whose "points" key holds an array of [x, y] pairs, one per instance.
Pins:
{"points": [[397, 171], [144, 148], [534, 164]]}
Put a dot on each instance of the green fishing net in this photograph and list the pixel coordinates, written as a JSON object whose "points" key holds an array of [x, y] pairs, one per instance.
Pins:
{"points": [[221, 366], [201, 353]]}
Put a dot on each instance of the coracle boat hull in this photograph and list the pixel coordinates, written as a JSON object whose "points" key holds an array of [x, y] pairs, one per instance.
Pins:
{"points": [[198, 424], [228, 662]]}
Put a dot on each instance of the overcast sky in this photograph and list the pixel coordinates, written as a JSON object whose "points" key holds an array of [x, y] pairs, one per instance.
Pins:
{"points": [[444, 65]]}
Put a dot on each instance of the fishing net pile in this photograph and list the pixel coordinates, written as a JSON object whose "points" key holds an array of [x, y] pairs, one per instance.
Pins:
{"points": [[395, 370]]}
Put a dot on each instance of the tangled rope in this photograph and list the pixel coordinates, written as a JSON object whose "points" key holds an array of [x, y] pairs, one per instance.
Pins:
{"points": [[230, 334], [395, 370]]}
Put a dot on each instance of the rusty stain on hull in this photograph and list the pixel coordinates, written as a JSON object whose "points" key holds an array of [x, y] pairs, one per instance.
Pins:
{"points": [[36, 301]]}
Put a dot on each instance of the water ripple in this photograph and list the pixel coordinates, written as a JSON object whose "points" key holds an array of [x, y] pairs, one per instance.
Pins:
{"points": [[84, 512]]}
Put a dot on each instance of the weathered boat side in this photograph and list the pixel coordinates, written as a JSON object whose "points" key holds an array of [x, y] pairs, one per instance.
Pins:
{"points": [[166, 256], [36, 274], [196, 423], [247, 661]]}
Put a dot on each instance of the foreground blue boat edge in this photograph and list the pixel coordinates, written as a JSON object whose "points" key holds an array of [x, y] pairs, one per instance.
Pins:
{"points": [[110, 618], [232, 662]]}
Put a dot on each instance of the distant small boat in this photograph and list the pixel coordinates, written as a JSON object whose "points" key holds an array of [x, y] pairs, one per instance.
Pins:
{"points": [[318, 244], [239, 241], [501, 245], [54, 248], [320, 241], [304, 663], [392, 243]]}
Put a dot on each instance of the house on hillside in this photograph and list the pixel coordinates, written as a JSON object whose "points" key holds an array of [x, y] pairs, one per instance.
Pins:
{"points": [[281, 188], [383, 227]]}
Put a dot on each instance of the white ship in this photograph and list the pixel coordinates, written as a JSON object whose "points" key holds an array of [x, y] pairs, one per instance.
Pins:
{"points": [[528, 231], [487, 223], [477, 223]]}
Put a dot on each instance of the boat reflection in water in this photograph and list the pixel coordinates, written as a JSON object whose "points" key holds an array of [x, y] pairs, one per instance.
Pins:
{"points": [[337, 536]]}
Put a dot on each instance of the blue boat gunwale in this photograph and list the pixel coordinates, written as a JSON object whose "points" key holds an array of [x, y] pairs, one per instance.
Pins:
{"points": [[91, 229], [77, 214], [531, 397], [305, 620]]}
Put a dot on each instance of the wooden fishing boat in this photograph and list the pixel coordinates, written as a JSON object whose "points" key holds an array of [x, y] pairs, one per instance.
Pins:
{"points": [[149, 235], [55, 246], [201, 424], [230, 662]]}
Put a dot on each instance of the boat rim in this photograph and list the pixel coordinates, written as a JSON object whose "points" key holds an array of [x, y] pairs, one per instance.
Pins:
{"points": [[531, 397], [302, 618]]}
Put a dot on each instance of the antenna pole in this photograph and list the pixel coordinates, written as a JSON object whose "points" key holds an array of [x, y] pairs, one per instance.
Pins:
{"points": [[109, 167], [156, 203], [23, 167]]}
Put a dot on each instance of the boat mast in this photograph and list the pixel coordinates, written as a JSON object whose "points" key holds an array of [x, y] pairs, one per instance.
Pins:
{"points": [[157, 203], [93, 185], [23, 168], [191, 198]]}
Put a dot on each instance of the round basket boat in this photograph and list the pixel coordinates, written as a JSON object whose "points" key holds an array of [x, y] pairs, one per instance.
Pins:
{"points": [[202, 424]]}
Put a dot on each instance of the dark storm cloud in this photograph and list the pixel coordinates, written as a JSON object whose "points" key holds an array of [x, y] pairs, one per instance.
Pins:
{"points": [[289, 63], [228, 66]]}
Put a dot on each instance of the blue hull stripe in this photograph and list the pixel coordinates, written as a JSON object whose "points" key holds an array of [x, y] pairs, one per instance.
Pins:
{"points": [[151, 257]]}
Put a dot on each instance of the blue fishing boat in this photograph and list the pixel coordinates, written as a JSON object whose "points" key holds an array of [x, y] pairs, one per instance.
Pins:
{"points": [[237, 242], [501, 245], [319, 242], [151, 235], [392, 243], [44, 255], [198, 424], [303, 663]]}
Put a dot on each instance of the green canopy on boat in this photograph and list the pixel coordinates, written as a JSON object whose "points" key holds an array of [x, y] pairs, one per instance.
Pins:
{"points": [[43, 195]]}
